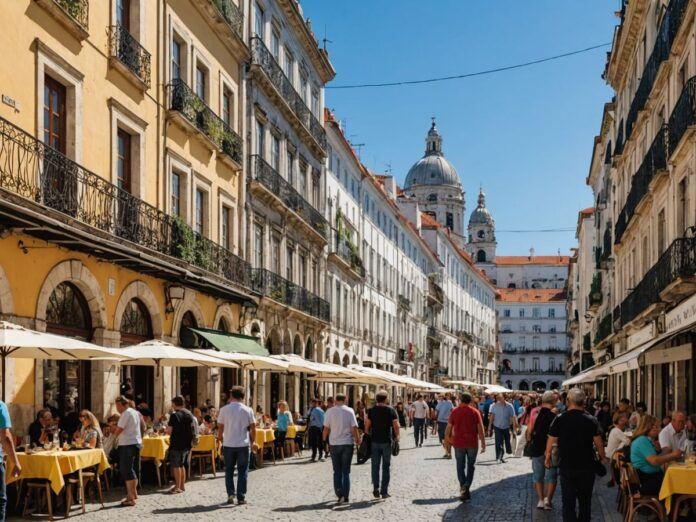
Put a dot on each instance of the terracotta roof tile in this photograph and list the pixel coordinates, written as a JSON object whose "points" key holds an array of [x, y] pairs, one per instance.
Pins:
{"points": [[531, 295], [536, 260]]}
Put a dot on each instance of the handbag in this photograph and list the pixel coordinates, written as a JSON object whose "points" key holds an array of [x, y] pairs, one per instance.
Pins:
{"points": [[527, 450], [599, 468], [395, 448]]}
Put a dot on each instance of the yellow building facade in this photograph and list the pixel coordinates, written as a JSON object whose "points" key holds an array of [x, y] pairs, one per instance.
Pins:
{"points": [[121, 189]]}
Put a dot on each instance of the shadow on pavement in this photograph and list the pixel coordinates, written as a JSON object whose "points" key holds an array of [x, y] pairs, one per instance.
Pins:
{"points": [[192, 509]]}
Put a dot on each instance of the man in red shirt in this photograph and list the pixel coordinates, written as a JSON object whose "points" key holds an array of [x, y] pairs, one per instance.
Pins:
{"points": [[464, 428]]}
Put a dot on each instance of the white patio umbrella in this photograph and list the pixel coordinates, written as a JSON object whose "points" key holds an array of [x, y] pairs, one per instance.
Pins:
{"points": [[23, 343], [246, 360], [495, 388], [160, 354], [463, 382]]}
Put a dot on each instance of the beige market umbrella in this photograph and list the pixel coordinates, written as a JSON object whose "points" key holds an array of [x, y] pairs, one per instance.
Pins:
{"points": [[19, 342], [246, 360], [160, 354]]}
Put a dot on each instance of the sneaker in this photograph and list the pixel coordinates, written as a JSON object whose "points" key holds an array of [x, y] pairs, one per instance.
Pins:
{"points": [[346, 500], [502, 460], [386, 495], [241, 501], [322, 459], [445, 456], [339, 502], [313, 460], [375, 493], [548, 506], [540, 504], [230, 499], [448, 456], [467, 493]]}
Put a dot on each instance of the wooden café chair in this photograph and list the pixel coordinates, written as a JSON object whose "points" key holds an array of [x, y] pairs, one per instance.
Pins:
{"points": [[634, 499]]}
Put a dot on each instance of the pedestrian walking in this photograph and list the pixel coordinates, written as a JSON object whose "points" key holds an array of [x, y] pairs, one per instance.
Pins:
{"points": [[341, 432], [7, 448], [316, 424], [420, 417], [130, 441], [443, 409], [502, 417], [382, 424], [464, 430], [237, 430], [577, 435], [545, 479], [183, 430]]}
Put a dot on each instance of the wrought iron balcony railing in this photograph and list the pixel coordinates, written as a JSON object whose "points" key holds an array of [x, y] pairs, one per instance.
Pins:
{"points": [[435, 291], [348, 252], [192, 108], [605, 328], [655, 160], [35, 171], [679, 260], [232, 15], [267, 176], [587, 342], [124, 47], [532, 371], [595, 296], [270, 284], [261, 56], [404, 302], [78, 10], [618, 148], [683, 115]]}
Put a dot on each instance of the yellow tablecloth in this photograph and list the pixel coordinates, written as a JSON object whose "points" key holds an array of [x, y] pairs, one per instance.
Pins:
{"points": [[264, 435], [679, 479], [53, 465], [155, 448], [206, 443], [293, 430]]}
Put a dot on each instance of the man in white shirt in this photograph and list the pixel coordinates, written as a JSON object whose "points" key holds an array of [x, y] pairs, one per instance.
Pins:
{"points": [[341, 430], [130, 440], [420, 416], [237, 430], [673, 436]]}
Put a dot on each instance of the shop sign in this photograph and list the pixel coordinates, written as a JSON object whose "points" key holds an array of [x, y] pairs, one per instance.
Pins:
{"points": [[642, 336], [682, 316]]}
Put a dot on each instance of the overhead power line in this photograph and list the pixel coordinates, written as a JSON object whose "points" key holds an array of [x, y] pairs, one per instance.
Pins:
{"points": [[469, 75]]}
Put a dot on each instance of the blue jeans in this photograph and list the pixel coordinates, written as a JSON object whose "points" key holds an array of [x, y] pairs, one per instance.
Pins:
{"points": [[341, 457], [502, 436], [419, 430], [539, 472], [129, 461], [466, 463], [381, 452], [3, 491], [238, 457], [441, 430]]}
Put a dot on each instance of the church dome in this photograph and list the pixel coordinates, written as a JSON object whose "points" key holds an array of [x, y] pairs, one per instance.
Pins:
{"points": [[481, 215], [433, 168]]}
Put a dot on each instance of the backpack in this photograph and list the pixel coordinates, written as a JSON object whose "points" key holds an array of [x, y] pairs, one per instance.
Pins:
{"points": [[195, 437]]}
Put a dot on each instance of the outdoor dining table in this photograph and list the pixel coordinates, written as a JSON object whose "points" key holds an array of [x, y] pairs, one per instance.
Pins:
{"points": [[155, 447], [680, 479], [294, 429], [264, 435], [55, 464]]}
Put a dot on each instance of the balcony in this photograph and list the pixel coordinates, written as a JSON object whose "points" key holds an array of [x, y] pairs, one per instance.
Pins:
{"points": [[129, 57], [587, 342], [271, 285], [532, 371], [654, 162], [535, 350], [683, 116], [604, 329], [53, 198], [280, 87], [277, 192], [73, 15], [434, 334], [606, 248], [227, 21], [595, 297], [345, 254], [666, 282], [436, 296], [194, 115], [404, 303]]}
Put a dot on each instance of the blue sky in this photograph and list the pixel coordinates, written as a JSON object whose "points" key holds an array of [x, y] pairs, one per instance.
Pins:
{"points": [[525, 134]]}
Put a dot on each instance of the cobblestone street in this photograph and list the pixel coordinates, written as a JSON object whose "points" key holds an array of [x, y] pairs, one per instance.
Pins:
{"points": [[423, 487]]}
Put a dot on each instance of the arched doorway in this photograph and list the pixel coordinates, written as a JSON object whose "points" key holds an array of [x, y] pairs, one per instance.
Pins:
{"points": [[555, 385], [481, 256], [136, 327], [67, 384], [273, 345], [524, 385], [188, 377], [539, 386]]}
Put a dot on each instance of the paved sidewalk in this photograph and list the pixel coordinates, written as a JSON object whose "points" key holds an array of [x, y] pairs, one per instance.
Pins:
{"points": [[423, 487]]}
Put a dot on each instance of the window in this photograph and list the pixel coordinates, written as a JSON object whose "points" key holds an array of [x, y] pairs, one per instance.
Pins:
{"points": [[303, 271], [123, 14], [552, 312], [275, 254], [536, 328], [227, 107], [176, 60], [523, 364], [176, 194], [661, 232], [315, 102], [506, 313], [258, 246], [289, 66], [535, 364], [200, 211], [258, 21], [275, 152], [303, 87], [55, 117], [290, 263], [225, 230], [260, 134], [449, 220], [682, 207], [645, 254], [275, 45], [535, 312], [201, 82], [521, 312], [303, 182], [536, 342], [290, 167], [123, 161], [552, 363]]}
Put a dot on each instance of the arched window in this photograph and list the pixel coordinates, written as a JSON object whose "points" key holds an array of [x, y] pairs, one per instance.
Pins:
{"points": [[188, 377], [480, 234], [136, 325], [222, 325], [185, 337], [481, 256], [66, 384], [432, 197]]}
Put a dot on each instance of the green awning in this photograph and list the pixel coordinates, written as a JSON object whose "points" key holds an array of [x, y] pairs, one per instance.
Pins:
{"points": [[228, 342]]}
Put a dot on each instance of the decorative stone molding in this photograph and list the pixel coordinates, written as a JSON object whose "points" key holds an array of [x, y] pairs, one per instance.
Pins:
{"points": [[6, 302], [141, 291], [188, 304], [225, 311]]}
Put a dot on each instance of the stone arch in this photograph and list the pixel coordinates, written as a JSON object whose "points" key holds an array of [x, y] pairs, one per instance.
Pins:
{"points": [[6, 302], [297, 345], [287, 342], [481, 256], [346, 360], [523, 385], [141, 291], [224, 312], [336, 358], [555, 385], [539, 386], [273, 342], [309, 351], [75, 272], [255, 329], [188, 304], [355, 360]]}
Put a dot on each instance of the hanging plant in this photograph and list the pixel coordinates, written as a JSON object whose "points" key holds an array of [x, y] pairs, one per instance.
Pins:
{"points": [[183, 240]]}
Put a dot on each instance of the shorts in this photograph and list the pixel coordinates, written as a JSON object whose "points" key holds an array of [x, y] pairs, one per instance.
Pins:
{"points": [[441, 429], [129, 461], [178, 458], [542, 474]]}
